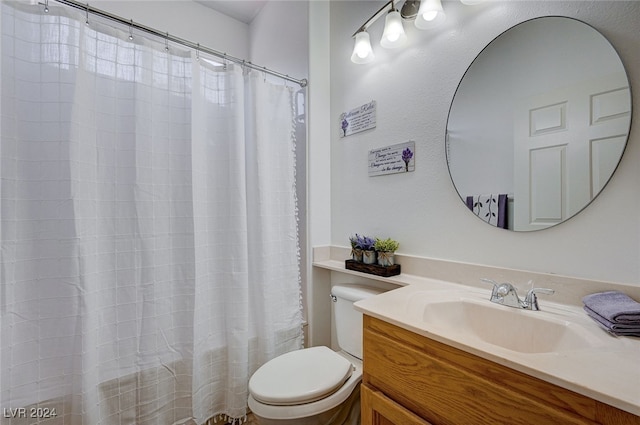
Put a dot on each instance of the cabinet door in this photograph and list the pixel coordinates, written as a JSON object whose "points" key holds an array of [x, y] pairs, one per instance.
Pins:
{"points": [[377, 409]]}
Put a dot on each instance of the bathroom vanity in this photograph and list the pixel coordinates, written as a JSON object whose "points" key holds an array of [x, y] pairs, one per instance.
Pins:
{"points": [[411, 379], [437, 351]]}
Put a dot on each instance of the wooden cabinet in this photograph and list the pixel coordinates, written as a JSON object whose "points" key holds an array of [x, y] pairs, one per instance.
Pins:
{"points": [[378, 409], [409, 379]]}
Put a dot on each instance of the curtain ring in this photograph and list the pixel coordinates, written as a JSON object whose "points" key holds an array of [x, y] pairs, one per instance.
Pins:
{"points": [[166, 43], [131, 30], [198, 52], [87, 19]]}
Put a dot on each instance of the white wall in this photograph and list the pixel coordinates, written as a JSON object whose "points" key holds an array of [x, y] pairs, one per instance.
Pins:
{"points": [[413, 88], [279, 37], [187, 20], [319, 167], [319, 171]]}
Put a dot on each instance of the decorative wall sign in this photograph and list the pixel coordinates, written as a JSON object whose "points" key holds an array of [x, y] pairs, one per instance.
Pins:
{"points": [[392, 159], [358, 119]]}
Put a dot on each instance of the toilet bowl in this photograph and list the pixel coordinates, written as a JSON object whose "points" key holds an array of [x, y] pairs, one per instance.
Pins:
{"points": [[316, 386]]}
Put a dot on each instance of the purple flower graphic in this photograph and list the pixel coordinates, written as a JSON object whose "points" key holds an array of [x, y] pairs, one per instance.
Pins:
{"points": [[406, 157], [345, 124]]}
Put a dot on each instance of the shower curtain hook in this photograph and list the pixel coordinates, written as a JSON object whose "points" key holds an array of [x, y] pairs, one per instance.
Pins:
{"points": [[264, 74], [87, 10], [131, 30], [46, 6], [198, 52], [166, 42], [224, 61]]}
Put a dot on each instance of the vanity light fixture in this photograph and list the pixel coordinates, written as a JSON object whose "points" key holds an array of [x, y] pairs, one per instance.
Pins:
{"points": [[426, 14]]}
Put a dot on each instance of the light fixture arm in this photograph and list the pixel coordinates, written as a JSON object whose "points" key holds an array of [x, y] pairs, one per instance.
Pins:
{"points": [[376, 16]]}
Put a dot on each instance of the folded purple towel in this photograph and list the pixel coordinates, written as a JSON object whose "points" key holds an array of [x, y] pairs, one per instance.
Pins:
{"points": [[614, 306], [614, 328]]}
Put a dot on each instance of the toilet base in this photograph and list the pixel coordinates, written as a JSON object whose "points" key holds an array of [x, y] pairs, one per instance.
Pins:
{"points": [[347, 413]]}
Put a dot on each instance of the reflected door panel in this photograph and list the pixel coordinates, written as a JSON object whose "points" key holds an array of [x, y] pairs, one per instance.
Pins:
{"points": [[604, 160], [567, 144]]}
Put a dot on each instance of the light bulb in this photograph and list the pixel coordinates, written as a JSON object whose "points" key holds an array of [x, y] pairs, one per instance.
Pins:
{"points": [[430, 14], [393, 35], [362, 51]]}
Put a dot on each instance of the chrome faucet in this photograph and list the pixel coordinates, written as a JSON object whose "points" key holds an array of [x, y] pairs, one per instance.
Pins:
{"points": [[507, 294]]}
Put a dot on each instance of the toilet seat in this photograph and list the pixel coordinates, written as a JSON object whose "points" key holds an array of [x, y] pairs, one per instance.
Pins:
{"points": [[300, 412], [299, 377]]}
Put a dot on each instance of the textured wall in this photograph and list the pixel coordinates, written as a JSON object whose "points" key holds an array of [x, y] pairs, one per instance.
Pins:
{"points": [[413, 88]]}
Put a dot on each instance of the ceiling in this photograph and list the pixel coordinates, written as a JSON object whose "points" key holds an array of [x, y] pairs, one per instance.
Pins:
{"points": [[242, 10]]}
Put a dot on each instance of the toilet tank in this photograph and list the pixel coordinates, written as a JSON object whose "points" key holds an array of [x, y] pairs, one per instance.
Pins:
{"points": [[348, 321]]}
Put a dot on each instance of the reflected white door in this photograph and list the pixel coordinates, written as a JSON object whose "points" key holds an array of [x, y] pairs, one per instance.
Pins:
{"points": [[567, 144]]}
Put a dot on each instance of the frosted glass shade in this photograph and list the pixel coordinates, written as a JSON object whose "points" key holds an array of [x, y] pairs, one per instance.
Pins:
{"points": [[362, 51], [430, 14], [393, 35]]}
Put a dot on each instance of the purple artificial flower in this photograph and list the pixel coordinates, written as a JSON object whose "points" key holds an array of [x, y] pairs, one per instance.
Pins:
{"points": [[367, 243], [357, 241]]}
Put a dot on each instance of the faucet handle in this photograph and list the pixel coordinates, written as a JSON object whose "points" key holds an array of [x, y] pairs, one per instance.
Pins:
{"points": [[501, 290], [534, 291], [489, 281], [495, 284], [531, 300]]}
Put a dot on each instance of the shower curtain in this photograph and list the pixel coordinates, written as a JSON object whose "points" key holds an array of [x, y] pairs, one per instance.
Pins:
{"points": [[149, 249]]}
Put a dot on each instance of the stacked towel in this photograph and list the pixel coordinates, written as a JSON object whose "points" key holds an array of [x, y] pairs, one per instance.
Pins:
{"points": [[614, 311]]}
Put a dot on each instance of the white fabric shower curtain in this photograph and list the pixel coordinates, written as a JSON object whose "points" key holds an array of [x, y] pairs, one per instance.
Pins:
{"points": [[149, 229]]}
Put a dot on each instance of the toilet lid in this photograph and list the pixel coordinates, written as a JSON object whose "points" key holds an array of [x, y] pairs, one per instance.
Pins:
{"points": [[301, 376]]}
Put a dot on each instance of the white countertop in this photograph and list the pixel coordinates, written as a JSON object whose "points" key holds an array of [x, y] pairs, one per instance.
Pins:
{"points": [[609, 373]]}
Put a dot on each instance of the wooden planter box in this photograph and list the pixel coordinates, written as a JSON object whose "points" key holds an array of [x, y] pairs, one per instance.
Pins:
{"points": [[373, 268]]}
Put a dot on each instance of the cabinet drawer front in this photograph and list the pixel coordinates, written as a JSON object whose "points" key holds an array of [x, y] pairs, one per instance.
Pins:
{"points": [[446, 394], [377, 409]]}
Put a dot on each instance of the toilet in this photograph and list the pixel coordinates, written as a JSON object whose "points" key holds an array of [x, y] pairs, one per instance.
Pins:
{"points": [[316, 386]]}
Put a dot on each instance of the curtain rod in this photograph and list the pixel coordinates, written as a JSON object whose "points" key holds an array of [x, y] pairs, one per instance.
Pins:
{"points": [[170, 38]]}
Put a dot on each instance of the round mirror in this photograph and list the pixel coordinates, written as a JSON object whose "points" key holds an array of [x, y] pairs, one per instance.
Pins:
{"points": [[538, 124]]}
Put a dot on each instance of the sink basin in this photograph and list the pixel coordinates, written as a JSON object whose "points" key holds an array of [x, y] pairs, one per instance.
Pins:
{"points": [[521, 331]]}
